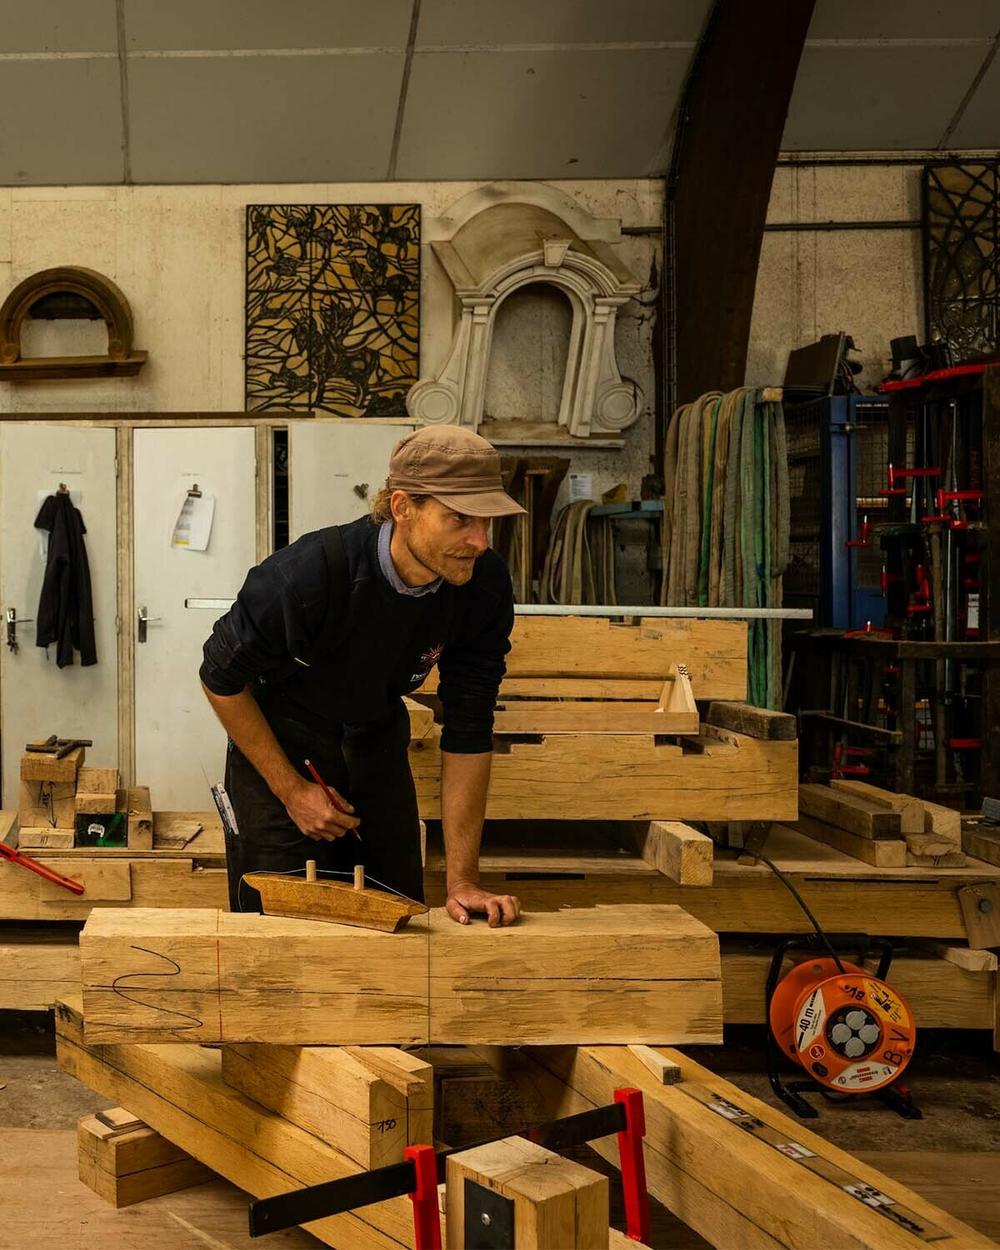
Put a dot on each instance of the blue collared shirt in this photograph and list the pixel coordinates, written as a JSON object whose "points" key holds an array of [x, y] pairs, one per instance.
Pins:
{"points": [[389, 569]]}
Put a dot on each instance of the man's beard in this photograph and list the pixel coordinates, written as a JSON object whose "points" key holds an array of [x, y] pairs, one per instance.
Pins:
{"points": [[455, 564]]}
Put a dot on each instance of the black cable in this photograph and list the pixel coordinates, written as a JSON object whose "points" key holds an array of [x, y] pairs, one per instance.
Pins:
{"points": [[804, 905]]}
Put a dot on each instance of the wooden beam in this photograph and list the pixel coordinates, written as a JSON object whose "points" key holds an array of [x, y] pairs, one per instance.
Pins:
{"points": [[37, 966], [849, 811], [368, 1102], [641, 974], [724, 154], [982, 842], [946, 822], [125, 1166], [530, 716], [140, 819], [733, 1187], [911, 810], [179, 1091], [557, 1203], [966, 958], [627, 777], [755, 722], [680, 852], [881, 853]]}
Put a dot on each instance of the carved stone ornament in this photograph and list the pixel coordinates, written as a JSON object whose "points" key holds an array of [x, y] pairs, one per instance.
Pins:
{"points": [[509, 236], [122, 360]]}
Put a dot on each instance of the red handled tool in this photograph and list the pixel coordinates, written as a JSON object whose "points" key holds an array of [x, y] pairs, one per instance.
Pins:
{"points": [[330, 796], [426, 1215], [18, 857]]}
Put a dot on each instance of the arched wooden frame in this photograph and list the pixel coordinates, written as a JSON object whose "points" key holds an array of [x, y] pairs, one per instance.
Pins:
{"points": [[121, 359]]}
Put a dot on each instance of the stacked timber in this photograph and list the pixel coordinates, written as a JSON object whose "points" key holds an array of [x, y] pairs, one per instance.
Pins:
{"points": [[734, 1169], [599, 720], [880, 828]]}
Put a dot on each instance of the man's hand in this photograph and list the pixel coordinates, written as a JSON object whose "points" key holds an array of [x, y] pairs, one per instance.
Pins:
{"points": [[465, 897], [315, 815]]}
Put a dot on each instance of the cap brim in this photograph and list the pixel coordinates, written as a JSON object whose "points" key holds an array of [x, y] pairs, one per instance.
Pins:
{"points": [[486, 503]]}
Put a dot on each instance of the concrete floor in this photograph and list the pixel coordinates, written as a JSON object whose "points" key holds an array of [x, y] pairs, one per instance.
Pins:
{"points": [[952, 1155]]}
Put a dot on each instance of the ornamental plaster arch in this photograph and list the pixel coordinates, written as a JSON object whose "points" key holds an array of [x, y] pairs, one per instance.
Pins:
{"points": [[595, 399]]}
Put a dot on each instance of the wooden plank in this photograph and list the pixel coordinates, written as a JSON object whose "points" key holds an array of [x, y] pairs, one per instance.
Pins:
{"points": [[850, 812], [929, 850], [911, 810], [44, 839], [573, 647], [104, 880], [130, 1166], [748, 1192], [638, 974], [627, 777], [37, 965], [682, 853], [755, 722], [557, 1203], [964, 957], [629, 972], [946, 822], [179, 1091], [46, 803], [528, 716], [665, 1070], [881, 853], [140, 819], [97, 781], [368, 1102], [982, 842], [155, 882], [38, 767], [941, 995]]}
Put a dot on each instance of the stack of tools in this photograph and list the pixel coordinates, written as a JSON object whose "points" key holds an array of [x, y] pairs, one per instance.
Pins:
{"points": [[63, 804]]}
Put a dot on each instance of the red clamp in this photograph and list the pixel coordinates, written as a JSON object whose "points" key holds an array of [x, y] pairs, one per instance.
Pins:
{"points": [[869, 631], [633, 1165], [426, 1216], [899, 475], [842, 753], [888, 577], [865, 539], [965, 744]]}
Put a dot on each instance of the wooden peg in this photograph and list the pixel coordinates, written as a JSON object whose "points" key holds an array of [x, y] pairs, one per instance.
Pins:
{"points": [[310, 870], [359, 876]]}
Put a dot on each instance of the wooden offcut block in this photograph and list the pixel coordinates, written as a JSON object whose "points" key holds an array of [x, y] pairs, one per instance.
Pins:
{"points": [[130, 1163], [50, 804], [678, 851], [97, 781], [44, 839], [140, 819], [634, 974], [370, 1102], [946, 822], [558, 1204], [94, 803], [36, 766]]}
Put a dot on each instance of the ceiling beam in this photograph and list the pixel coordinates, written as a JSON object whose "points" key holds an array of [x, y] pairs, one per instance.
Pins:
{"points": [[729, 132]]}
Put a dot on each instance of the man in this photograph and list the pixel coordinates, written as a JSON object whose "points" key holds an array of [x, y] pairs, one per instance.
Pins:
{"points": [[311, 661]]}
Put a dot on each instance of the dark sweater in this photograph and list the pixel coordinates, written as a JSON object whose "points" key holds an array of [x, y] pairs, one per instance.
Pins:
{"points": [[318, 651]]}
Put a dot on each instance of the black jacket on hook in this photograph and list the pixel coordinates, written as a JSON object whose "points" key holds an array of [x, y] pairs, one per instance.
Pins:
{"points": [[66, 608]]}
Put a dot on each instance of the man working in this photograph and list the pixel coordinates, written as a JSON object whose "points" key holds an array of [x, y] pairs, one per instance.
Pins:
{"points": [[324, 638]]}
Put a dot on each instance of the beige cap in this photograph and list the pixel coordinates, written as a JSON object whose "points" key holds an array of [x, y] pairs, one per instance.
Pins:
{"points": [[454, 466]]}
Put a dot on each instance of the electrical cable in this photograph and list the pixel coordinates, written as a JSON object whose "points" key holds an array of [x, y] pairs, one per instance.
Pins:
{"points": [[786, 882]]}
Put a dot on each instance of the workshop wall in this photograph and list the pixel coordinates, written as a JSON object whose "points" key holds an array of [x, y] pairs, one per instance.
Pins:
{"points": [[813, 282], [178, 253]]}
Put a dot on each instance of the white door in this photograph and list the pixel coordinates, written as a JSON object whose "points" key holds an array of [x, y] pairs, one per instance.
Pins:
{"points": [[179, 743], [335, 468], [36, 697]]}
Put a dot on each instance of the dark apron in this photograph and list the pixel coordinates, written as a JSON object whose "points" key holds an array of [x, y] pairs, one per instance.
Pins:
{"points": [[368, 766]]}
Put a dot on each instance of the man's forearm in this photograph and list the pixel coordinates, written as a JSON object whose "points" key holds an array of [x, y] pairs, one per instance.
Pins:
{"points": [[465, 781], [243, 720]]}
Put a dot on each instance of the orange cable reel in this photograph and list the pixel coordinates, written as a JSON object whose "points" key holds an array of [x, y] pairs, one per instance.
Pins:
{"points": [[850, 1031]]}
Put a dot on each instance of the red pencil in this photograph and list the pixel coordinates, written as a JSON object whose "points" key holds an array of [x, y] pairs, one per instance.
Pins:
{"points": [[331, 797]]}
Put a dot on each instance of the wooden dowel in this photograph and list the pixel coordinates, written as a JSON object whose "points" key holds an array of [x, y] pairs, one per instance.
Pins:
{"points": [[359, 876], [310, 870]]}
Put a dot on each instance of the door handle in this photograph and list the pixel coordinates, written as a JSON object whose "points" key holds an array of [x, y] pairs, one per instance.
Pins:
{"points": [[144, 621], [12, 624]]}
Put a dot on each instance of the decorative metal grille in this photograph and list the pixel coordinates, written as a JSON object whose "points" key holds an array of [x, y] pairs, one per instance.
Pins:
{"points": [[332, 307], [961, 256]]}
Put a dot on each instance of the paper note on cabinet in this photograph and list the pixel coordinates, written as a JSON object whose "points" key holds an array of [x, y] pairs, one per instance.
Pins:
{"points": [[193, 527]]}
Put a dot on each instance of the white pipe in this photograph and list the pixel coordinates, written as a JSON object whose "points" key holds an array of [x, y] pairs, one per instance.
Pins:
{"points": [[645, 609]]}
